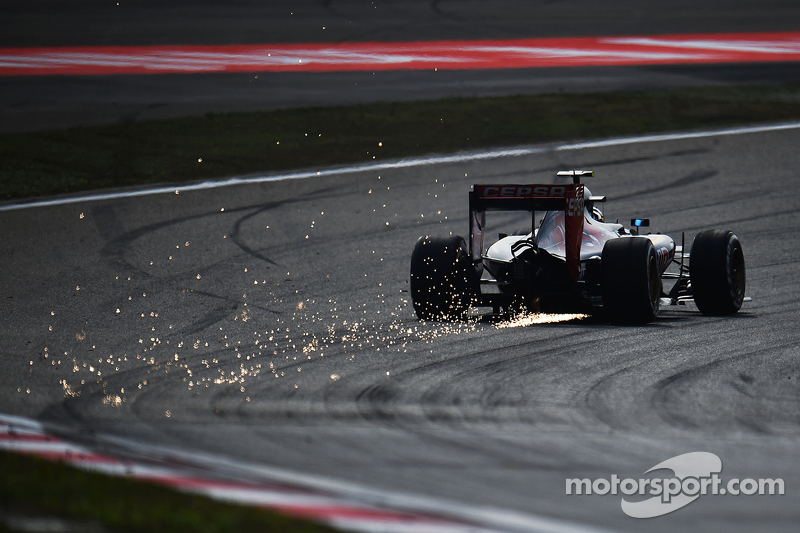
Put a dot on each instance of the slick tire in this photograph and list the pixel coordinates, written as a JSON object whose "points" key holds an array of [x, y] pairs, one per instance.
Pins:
{"points": [[630, 281], [442, 278], [717, 272]]}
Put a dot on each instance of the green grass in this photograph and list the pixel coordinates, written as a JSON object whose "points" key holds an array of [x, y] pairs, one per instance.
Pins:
{"points": [[169, 151], [33, 487]]}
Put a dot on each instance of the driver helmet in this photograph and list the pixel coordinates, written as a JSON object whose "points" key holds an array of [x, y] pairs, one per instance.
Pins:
{"points": [[595, 212]]}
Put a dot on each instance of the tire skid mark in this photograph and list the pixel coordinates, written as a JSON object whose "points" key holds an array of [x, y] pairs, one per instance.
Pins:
{"points": [[691, 179], [752, 406]]}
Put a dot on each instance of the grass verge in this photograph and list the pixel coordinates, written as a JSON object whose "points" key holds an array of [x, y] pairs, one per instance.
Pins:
{"points": [[34, 487], [221, 145]]}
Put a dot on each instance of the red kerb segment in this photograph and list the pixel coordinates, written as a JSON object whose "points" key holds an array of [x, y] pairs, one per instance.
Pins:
{"points": [[432, 55]]}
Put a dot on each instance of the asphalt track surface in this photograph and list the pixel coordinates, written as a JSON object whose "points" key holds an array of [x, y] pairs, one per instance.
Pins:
{"points": [[270, 323], [208, 321]]}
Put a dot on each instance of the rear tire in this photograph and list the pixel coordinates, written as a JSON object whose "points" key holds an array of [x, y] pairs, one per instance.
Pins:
{"points": [[442, 278], [717, 272], [631, 285]]}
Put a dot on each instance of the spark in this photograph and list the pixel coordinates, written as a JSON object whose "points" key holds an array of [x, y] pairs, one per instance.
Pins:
{"points": [[530, 319]]}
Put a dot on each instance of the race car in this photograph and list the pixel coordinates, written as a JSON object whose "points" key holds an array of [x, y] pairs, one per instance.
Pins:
{"points": [[573, 261]]}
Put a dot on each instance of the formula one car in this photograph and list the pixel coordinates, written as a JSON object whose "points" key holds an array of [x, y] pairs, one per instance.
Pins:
{"points": [[573, 262]]}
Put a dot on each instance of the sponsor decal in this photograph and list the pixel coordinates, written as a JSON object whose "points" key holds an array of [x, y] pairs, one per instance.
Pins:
{"points": [[694, 474], [575, 207], [521, 191], [664, 255], [573, 228]]}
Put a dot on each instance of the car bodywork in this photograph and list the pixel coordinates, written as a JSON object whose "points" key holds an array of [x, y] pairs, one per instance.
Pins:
{"points": [[573, 261]]}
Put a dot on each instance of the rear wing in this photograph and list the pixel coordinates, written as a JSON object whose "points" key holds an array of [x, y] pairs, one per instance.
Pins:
{"points": [[567, 198]]}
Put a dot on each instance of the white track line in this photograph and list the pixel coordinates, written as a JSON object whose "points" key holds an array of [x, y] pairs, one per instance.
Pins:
{"points": [[342, 504], [481, 519], [402, 163]]}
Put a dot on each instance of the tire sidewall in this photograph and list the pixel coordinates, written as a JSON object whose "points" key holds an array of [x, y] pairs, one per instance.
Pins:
{"points": [[717, 272], [441, 278], [631, 285]]}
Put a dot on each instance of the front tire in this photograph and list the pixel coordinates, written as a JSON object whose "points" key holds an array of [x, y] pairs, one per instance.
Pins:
{"points": [[717, 272], [442, 278], [631, 285]]}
